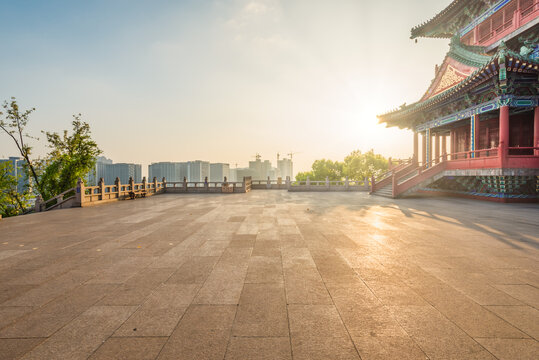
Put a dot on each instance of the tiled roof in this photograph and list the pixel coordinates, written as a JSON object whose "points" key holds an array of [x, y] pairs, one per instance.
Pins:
{"points": [[488, 69], [447, 22]]}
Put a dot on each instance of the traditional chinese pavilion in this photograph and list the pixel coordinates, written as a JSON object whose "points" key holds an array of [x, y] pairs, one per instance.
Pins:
{"points": [[479, 118]]}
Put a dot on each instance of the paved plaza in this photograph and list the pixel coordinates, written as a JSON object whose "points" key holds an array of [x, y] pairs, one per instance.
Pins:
{"points": [[272, 275]]}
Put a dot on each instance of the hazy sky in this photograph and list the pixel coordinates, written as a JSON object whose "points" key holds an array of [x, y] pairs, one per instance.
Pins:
{"points": [[219, 80]]}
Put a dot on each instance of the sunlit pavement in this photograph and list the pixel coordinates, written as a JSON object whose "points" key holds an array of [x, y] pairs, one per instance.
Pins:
{"points": [[272, 275]]}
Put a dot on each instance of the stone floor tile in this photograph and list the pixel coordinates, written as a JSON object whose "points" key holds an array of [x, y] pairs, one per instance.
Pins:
{"points": [[510, 349], [46, 292], [350, 295], [315, 320], [150, 321], [14, 348], [263, 269], [435, 334], [204, 317], [172, 296], [371, 321], [129, 348], [342, 257], [196, 344], [323, 348], [388, 347], [261, 320], [194, 271], [527, 294], [44, 321], [524, 318], [9, 314], [395, 294], [8, 292], [81, 337], [259, 348]]}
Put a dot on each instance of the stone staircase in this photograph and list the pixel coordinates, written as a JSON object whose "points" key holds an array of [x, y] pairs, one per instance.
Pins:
{"points": [[386, 191], [410, 181]]}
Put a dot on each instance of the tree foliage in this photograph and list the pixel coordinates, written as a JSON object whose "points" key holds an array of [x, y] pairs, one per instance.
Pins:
{"points": [[72, 155], [13, 122], [11, 201], [356, 166], [360, 165]]}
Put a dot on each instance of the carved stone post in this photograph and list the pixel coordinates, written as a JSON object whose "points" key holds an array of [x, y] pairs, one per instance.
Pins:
{"points": [[101, 185], [38, 205], [164, 185], [79, 193], [366, 183], [393, 185], [132, 183], [268, 185], [144, 183], [288, 182], [308, 182], [155, 185], [206, 185], [327, 182], [372, 183], [346, 183], [118, 185], [185, 184]]}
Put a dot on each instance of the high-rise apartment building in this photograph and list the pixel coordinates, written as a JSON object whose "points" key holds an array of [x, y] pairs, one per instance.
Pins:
{"points": [[109, 171], [286, 168], [171, 171], [218, 171], [198, 170], [17, 171]]}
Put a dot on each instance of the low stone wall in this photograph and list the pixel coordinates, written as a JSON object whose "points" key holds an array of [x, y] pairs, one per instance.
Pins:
{"points": [[209, 187], [278, 184], [325, 186]]}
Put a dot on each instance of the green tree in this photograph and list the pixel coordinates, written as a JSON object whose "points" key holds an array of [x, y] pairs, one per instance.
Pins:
{"points": [[13, 122], [11, 201], [356, 166], [360, 165], [72, 156], [302, 176], [321, 169], [333, 170]]}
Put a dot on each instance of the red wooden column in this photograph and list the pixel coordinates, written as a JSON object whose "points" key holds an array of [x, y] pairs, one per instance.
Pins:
{"points": [[444, 147], [476, 134], [452, 143], [416, 148], [504, 135], [429, 146], [436, 148], [536, 130], [423, 148]]}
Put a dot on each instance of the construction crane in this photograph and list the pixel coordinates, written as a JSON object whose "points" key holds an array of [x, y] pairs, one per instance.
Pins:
{"points": [[291, 154], [257, 156]]}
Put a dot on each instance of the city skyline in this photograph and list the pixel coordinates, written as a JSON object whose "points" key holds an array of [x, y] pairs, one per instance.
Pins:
{"points": [[259, 76]]}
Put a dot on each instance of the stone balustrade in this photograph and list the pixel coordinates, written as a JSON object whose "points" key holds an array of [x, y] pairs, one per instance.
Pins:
{"points": [[222, 187], [330, 185]]}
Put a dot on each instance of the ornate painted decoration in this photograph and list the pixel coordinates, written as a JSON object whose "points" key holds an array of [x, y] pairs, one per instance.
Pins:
{"points": [[508, 100]]}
